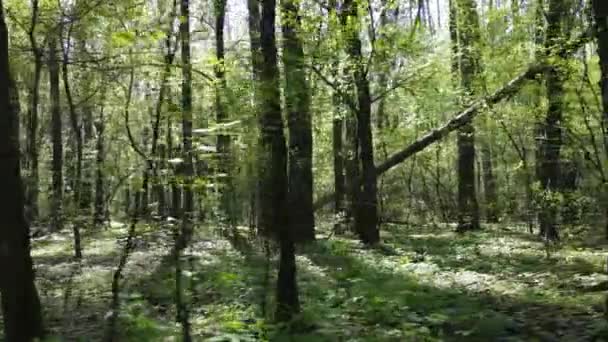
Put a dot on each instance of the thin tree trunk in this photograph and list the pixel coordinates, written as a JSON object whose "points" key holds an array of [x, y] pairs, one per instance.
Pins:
{"points": [[299, 121], [188, 204], [76, 128], [32, 121], [56, 138], [228, 202], [20, 302], [100, 207]]}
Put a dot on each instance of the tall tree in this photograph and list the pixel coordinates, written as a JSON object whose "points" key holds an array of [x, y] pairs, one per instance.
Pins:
{"points": [[299, 122], [20, 302], [56, 138], [600, 10], [551, 144], [32, 118], [188, 200], [467, 28], [223, 140], [366, 196], [272, 186]]}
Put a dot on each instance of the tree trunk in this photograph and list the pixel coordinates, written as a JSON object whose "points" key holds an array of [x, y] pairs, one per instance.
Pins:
{"points": [[338, 154], [57, 139], [467, 25], [366, 196], [299, 122], [188, 204], [20, 301], [100, 205], [228, 201], [32, 121], [552, 142], [600, 9], [273, 185]]}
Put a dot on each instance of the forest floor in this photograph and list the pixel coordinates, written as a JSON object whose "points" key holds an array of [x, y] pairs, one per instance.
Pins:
{"points": [[423, 284]]}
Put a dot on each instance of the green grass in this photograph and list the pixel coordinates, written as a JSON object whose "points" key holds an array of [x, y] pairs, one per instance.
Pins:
{"points": [[422, 284]]}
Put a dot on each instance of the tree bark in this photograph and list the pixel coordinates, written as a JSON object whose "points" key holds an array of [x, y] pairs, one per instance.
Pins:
{"points": [[273, 186], [99, 215], [32, 121], [468, 39], [20, 302], [552, 142], [299, 122], [366, 196], [56, 138], [188, 196], [228, 201]]}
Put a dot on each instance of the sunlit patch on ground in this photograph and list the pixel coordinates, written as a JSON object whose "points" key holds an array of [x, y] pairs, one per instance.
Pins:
{"points": [[421, 284]]}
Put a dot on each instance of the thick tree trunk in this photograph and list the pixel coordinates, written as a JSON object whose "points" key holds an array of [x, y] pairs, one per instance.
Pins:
{"points": [[299, 122], [20, 302], [56, 139], [552, 142], [366, 196], [600, 9], [273, 186], [467, 25]]}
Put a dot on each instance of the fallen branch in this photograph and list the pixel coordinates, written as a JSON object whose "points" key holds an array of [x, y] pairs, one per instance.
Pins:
{"points": [[465, 116], [459, 120]]}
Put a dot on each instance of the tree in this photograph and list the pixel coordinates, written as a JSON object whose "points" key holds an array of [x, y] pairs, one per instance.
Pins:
{"points": [[32, 118], [549, 175], [600, 10], [365, 196], [188, 201], [56, 138], [20, 302], [467, 26], [299, 122]]}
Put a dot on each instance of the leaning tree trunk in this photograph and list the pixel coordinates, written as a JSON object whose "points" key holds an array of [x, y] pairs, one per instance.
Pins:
{"points": [[549, 175], [600, 9], [366, 197], [56, 138], [20, 302], [299, 122], [467, 25]]}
